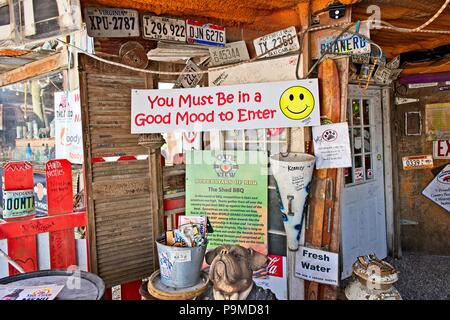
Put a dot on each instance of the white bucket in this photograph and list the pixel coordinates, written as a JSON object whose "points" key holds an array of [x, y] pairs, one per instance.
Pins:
{"points": [[293, 173]]}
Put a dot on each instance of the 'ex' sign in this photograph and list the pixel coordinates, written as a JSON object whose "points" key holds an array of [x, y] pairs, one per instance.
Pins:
{"points": [[441, 149]]}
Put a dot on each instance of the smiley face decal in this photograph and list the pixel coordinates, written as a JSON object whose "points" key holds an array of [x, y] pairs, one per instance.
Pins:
{"points": [[297, 103]]}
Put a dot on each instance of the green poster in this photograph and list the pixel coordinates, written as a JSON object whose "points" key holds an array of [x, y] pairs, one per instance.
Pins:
{"points": [[230, 188]]}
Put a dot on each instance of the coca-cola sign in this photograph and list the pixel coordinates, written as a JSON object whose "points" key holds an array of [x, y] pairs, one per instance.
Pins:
{"points": [[275, 266]]}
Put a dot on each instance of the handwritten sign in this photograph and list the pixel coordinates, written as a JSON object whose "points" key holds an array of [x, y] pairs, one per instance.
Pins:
{"points": [[244, 106], [317, 265], [332, 146], [59, 186], [438, 190]]}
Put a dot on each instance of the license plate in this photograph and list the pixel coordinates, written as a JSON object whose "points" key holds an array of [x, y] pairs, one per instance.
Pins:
{"points": [[231, 53], [189, 80], [111, 22], [162, 28], [417, 162], [286, 39], [209, 34]]}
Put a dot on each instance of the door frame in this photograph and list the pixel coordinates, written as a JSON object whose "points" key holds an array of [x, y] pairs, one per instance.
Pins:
{"points": [[386, 110]]}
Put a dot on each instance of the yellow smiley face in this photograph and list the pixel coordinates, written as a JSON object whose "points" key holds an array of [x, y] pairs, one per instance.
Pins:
{"points": [[297, 103]]}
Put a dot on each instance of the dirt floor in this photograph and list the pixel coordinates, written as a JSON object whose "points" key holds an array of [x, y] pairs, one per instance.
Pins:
{"points": [[423, 277]]}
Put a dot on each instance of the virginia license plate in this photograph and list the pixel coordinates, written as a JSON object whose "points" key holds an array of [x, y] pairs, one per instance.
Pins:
{"points": [[209, 34], [231, 53], [112, 22], [286, 39], [417, 162], [162, 28]]}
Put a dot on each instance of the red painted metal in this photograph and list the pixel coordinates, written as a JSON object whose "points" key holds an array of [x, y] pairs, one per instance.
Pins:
{"points": [[130, 290]]}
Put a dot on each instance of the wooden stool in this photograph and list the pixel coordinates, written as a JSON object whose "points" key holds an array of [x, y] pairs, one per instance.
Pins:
{"points": [[154, 289]]}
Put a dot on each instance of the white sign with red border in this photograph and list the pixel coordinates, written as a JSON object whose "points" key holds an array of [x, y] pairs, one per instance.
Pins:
{"points": [[417, 162], [441, 149]]}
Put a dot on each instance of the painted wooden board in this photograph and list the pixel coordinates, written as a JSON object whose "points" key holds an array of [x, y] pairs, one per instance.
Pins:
{"points": [[324, 180], [19, 176], [60, 201]]}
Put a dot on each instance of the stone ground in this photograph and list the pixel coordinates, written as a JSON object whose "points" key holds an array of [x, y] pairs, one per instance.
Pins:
{"points": [[423, 277]]}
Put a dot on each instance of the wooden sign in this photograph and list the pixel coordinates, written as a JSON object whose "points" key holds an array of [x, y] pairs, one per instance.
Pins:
{"points": [[18, 176], [417, 162], [441, 149], [59, 186], [60, 201]]}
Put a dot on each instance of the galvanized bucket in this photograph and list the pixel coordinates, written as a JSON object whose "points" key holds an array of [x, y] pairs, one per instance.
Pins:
{"points": [[180, 267]]}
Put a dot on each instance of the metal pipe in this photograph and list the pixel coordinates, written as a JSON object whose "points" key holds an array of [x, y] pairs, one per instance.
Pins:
{"points": [[11, 261]]}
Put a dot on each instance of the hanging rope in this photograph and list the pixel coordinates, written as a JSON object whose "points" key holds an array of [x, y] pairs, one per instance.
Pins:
{"points": [[437, 14]]}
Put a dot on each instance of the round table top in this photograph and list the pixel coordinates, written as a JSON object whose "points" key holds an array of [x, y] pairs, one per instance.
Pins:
{"points": [[162, 292]]}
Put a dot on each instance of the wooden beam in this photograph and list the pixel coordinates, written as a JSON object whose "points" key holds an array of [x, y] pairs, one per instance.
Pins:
{"points": [[17, 229], [427, 67], [33, 69]]}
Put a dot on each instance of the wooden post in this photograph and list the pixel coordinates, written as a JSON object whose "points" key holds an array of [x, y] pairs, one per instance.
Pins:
{"points": [[153, 143]]}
